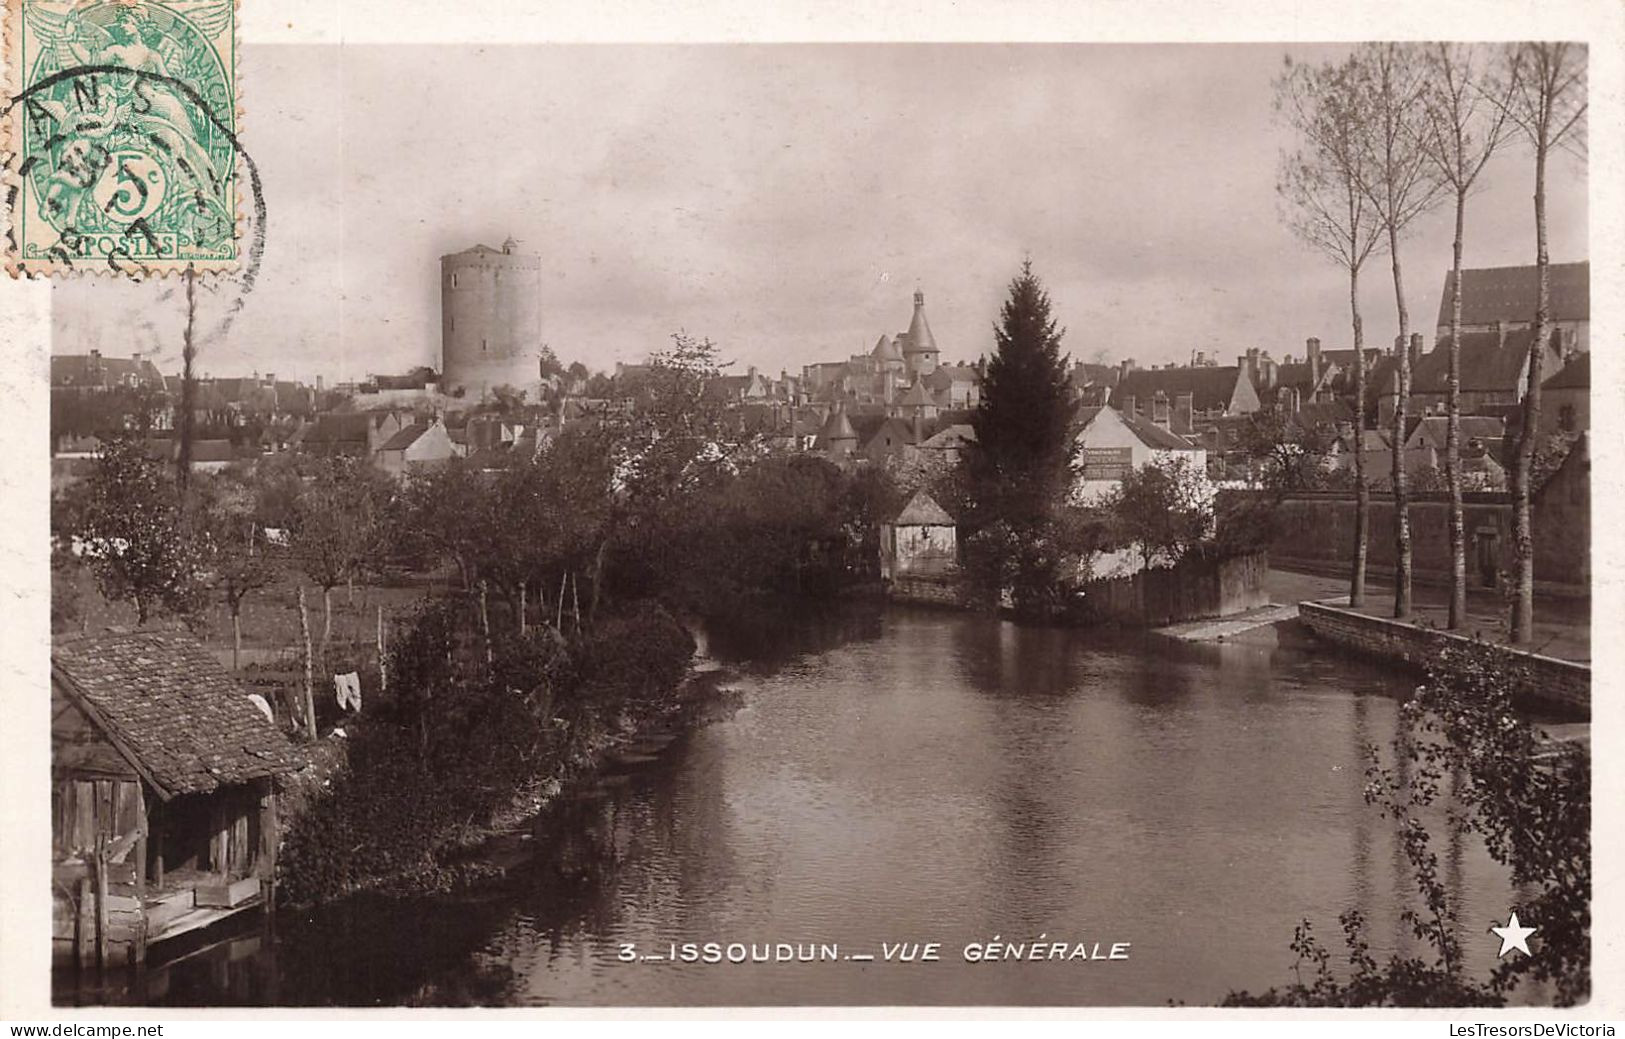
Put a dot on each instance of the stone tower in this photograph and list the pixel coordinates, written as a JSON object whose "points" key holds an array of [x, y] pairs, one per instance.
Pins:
{"points": [[919, 347], [490, 320]]}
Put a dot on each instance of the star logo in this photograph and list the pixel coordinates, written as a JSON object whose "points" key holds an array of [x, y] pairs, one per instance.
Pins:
{"points": [[1513, 937]]}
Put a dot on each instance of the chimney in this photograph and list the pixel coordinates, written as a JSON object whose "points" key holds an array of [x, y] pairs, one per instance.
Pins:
{"points": [[1201, 358], [1252, 362], [318, 384], [1125, 366], [1416, 348], [1184, 406], [919, 425], [1130, 406], [751, 372], [1313, 346]]}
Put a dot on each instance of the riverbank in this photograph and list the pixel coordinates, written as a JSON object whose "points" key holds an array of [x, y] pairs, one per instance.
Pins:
{"points": [[474, 731], [473, 851]]}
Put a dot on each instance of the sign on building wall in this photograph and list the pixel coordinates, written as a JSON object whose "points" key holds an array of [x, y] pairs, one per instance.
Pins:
{"points": [[1107, 463]]}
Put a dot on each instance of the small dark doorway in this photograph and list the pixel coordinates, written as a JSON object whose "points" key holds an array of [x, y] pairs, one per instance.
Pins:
{"points": [[1486, 546]]}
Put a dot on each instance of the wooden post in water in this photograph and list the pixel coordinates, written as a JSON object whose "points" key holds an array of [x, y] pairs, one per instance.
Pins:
{"points": [[140, 852], [575, 600], [522, 605], [559, 622], [84, 931], [310, 693], [268, 844], [101, 901]]}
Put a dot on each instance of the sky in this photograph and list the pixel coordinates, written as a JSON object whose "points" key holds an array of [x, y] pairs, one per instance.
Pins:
{"points": [[786, 201]]}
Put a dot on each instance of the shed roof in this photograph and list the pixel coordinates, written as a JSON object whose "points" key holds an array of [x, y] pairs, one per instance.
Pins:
{"points": [[922, 510], [172, 710]]}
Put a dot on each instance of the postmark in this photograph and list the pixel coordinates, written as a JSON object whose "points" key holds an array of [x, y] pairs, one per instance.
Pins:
{"points": [[120, 134]]}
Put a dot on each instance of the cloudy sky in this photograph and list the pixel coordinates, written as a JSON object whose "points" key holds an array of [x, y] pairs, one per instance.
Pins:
{"points": [[787, 200]]}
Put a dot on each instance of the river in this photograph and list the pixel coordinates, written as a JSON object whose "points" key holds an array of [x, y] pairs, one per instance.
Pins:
{"points": [[895, 777]]}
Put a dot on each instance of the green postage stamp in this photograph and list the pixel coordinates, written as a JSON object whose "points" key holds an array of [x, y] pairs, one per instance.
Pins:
{"points": [[120, 136]]}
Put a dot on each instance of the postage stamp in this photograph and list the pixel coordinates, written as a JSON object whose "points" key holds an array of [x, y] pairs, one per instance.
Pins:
{"points": [[120, 136]]}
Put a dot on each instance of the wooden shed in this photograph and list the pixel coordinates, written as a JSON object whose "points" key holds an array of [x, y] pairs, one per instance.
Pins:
{"points": [[921, 541], [163, 811]]}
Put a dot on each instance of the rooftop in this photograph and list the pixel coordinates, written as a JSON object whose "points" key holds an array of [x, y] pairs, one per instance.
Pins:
{"points": [[171, 709]]}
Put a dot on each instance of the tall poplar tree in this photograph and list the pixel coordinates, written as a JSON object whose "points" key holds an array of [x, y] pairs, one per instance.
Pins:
{"points": [[1465, 123], [1401, 183], [1319, 187], [1544, 86]]}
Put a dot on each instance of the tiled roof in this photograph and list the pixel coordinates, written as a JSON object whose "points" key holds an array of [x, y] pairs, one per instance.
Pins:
{"points": [[1153, 435], [1486, 365], [894, 429], [88, 370], [1150, 434], [338, 427], [1210, 387], [1510, 294], [952, 436], [406, 437], [1431, 430], [1576, 375], [886, 349], [1315, 413], [169, 704]]}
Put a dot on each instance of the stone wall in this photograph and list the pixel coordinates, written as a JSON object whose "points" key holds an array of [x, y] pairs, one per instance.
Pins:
{"points": [[930, 591], [1554, 683], [1314, 531]]}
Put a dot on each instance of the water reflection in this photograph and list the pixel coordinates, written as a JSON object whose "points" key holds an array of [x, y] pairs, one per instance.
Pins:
{"points": [[913, 775]]}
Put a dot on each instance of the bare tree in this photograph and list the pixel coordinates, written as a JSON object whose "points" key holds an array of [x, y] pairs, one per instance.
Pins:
{"points": [[1544, 90], [1319, 189], [1401, 184], [188, 420], [1464, 123]]}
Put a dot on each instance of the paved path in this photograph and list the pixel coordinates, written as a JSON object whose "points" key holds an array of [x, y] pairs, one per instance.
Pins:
{"points": [[1562, 626]]}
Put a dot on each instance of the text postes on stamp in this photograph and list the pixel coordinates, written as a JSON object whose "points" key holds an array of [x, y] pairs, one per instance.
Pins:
{"points": [[120, 135]]}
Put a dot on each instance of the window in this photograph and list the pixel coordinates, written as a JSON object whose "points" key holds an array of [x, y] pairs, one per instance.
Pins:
{"points": [[1565, 418], [454, 280], [482, 346]]}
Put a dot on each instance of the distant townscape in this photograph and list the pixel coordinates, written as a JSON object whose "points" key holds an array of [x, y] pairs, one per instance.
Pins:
{"points": [[499, 391]]}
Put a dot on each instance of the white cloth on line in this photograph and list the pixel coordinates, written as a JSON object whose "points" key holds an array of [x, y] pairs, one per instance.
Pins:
{"points": [[347, 690]]}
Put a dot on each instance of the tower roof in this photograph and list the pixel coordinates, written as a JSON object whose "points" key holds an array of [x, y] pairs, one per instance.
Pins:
{"points": [[886, 349], [915, 396], [836, 427], [920, 340]]}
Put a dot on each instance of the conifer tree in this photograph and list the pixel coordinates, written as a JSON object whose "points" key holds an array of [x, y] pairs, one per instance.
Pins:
{"points": [[1021, 467]]}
